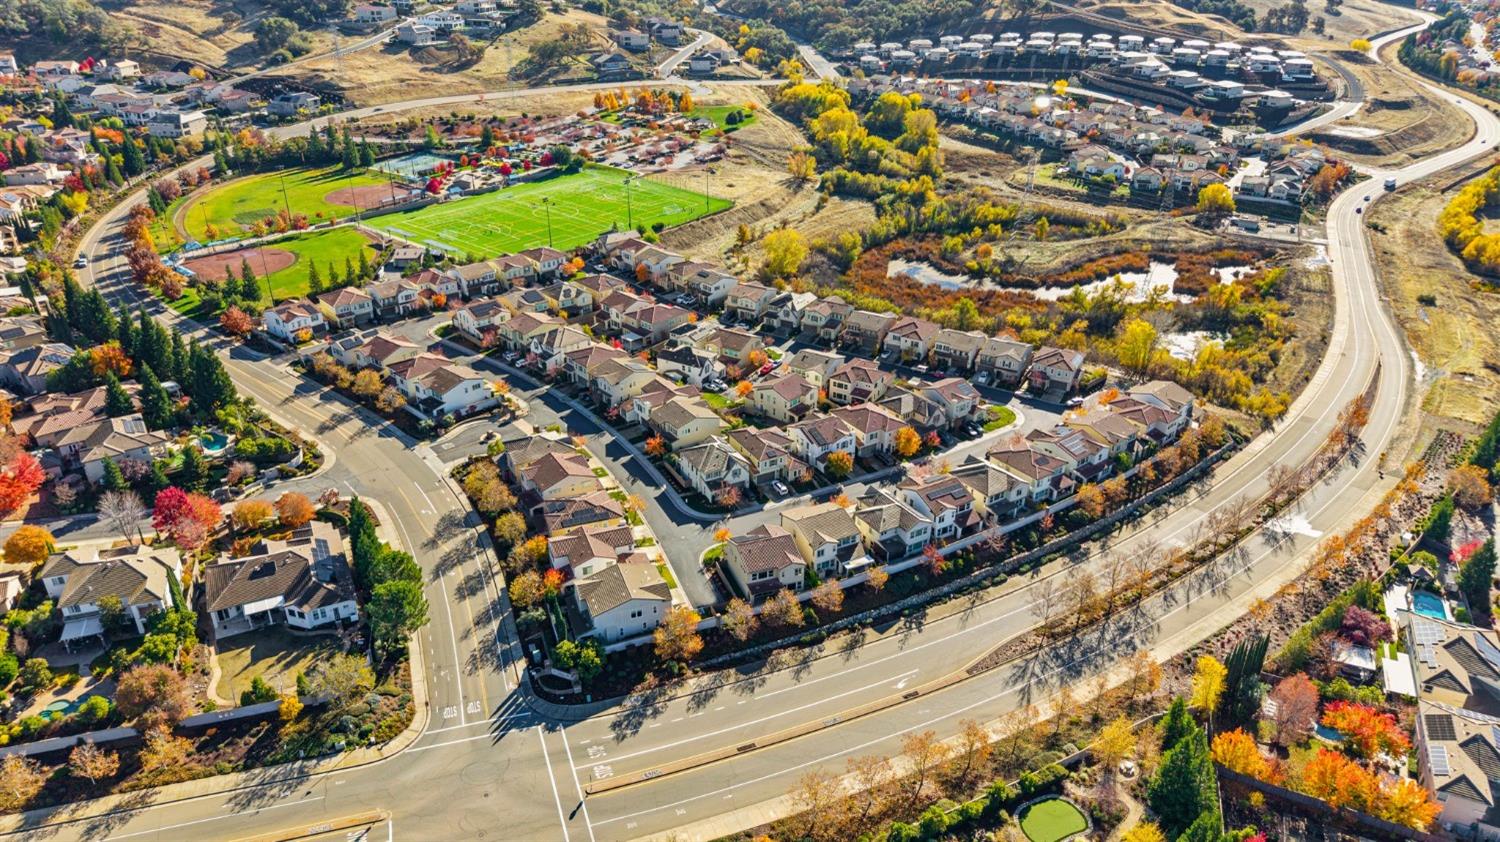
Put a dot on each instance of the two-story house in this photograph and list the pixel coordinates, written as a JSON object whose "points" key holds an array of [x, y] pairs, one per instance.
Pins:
{"points": [[137, 576], [712, 465], [293, 321], [764, 560], [1055, 372], [1005, 360], [350, 305], [827, 537], [303, 581], [857, 381], [785, 398]]}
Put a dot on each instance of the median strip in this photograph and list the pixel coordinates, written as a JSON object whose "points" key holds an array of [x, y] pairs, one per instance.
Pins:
{"points": [[331, 826]]}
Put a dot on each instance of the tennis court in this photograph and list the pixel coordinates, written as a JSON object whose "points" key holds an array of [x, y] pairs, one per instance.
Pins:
{"points": [[582, 206]]}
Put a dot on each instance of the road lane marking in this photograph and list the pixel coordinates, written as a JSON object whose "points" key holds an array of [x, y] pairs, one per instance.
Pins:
{"points": [[556, 798], [583, 802], [156, 830]]}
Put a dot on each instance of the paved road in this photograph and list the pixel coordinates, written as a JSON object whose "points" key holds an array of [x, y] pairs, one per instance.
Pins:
{"points": [[501, 769]]}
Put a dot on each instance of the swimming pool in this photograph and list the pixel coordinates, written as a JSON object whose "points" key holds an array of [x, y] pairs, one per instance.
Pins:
{"points": [[1428, 605], [213, 442]]}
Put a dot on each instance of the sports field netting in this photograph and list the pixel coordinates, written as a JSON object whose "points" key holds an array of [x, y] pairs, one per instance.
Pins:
{"points": [[583, 206]]}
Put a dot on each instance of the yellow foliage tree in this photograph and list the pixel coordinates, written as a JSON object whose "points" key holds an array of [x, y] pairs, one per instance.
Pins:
{"points": [[29, 545], [1208, 683]]}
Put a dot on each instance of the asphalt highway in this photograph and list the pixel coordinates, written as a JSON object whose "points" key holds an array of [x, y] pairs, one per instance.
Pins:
{"points": [[495, 764]]}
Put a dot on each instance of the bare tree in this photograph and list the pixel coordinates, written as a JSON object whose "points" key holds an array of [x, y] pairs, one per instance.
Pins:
{"points": [[89, 761], [121, 510], [974, 752], [1044, 597], [927, 754], [871, 779], [1082, 594], [821, 806]]}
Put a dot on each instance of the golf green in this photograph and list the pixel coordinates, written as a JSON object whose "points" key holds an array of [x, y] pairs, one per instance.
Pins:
{"points": [[576, 208], [1052, 820]]}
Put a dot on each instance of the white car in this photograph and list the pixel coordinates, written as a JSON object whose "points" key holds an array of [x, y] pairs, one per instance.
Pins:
{"points": [[80, 262]]}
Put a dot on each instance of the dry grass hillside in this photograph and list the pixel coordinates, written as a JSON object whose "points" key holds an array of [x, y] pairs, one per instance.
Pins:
{"points": [[394, 72], [1454, 335]]}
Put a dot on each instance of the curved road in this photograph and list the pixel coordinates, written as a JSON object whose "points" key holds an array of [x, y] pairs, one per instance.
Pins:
{"points": [[494, 764]]}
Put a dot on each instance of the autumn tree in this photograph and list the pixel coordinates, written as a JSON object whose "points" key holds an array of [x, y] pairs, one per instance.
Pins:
{"points": [[1115, 743], [739, 619], [19, 479], [828, 596], [163, 750], [186, 519], [1296, 698], [1089, 499], [1366, 731], [1470, 487], [925, 754], [782, 609], [1144, 831], [90, 762], [907, 442], [677, 637], [656, 446], [293, 509], [526, 589], [801, 165], [21, 778], [235, 322], [818, 806], [290, 707], [876, 578], [1136, 346], [1208, 684], [1236, 751], [153, 694], [29, 545], [1215, 200], [250, 514], [785, 250]]}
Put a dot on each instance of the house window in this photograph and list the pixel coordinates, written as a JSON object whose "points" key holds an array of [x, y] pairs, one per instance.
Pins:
{"points": [[635, 615]]}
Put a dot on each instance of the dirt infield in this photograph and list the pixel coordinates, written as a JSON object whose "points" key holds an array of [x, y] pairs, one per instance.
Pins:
{"points": [[263, 261], [363, 197]]}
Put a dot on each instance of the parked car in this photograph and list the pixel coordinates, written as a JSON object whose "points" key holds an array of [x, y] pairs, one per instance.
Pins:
{"points": [[983, 379], [80, 262], [780, 488], [767, 368]]}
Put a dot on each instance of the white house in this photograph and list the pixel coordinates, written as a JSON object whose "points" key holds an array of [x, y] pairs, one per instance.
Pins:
{"points": [[623, 600], [302, 581], [137, 576], [289, 318]]}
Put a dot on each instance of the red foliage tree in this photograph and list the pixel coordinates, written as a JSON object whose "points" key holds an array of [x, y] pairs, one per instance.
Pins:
{"points": [[19, 480], [187, 519], [1366, 730]]}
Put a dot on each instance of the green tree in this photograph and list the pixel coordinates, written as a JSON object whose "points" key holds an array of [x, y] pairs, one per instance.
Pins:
{"points": [[193, 472], [117, 401], [114, 478], [156, 404], [397, 609], [1183, 786], [1177, 724]]}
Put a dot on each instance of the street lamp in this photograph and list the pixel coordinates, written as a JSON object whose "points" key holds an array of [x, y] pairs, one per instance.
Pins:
{"points": [[547, 208], [629, 217], [707, 171]]}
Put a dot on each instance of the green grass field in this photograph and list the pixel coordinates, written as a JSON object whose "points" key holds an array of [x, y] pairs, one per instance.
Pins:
{"points": [[1052, 820], [720, 115], [322, 247], [583, 206], [239, 203]]}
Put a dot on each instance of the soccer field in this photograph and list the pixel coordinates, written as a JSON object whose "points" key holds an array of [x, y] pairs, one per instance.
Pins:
{"points": [[583, 206]]}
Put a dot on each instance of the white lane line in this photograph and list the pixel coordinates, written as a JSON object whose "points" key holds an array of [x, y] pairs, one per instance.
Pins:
{"points": [[583, 802], [156, 830], [556, 799], [706, 734], [501, 721], [453, 640]]}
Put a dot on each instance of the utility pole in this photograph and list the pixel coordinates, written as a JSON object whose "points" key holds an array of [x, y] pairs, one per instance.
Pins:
{"points": [[547, 208], [629, 216]]}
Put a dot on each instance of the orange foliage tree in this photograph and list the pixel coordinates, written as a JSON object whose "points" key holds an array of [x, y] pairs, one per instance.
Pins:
{"points": [[1366, 730]]}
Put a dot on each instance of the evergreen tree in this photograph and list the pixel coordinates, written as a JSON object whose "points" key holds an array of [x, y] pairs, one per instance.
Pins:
{"points": [[151, 345], [112, 172], [157, 479], [125, 333], [486, 139], [116, 400], [1476, 577], [364, 265], [33, 149], [194, 471], [72, 302], [350, 279], [250, 290], [1205, 828], [247, 277], [350, 155], [94, 317], [1242, 686], [1177, 724], [114, 478], [366, 156], [156, 404], [179, 357], [58, 327], [333, 277], [134, 162], [62, 117], [75, 375], [210, 387], [314, 278], [364, 541], [221, 163], [1184, 784]]}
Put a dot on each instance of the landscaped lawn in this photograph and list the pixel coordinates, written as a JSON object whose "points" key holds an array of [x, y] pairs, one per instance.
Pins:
{"points": [[1000, 416], [715, 401], [232, 207], [582, 205], [1052, 820], [274, 654], [720, 115], [163, 232]]}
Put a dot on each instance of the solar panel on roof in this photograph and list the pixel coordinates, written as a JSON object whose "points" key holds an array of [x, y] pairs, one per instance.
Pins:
{"points": [[1437, 759], [1439, 726], [1488, 650]]}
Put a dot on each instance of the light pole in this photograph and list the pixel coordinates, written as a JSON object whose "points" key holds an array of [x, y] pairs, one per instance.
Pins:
{"points": [[547, 208], [707, 171]]}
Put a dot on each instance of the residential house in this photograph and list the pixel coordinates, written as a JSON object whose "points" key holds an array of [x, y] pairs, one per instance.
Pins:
{"points": [[623, 600], [40, 173], [370, 13], [293, 321], [685, 421], [957, 350], [581, 364], [710, 466], [177, 124], [615, 381], [439, 388], [892, 529], [866, 331], [911, 338], [394, 298], [597, 508], [521, 453], [708, 284], [631, 39], [303, 581], [292, 103], [556, 476], [589, 549], [611, 65], [480, 320], [114, 439], [350, 305], [693, 366], [376, 350], [25, 370], [827, 537], [748, 302], [546, 261], [1083, 457], [993, 490], [785, 398], [1007, 360], [517, 332], [1109, 430], [874, 428], [1055, 372], [823, 320], [817, 437], [547, 350], [1040, 476], [769, 453], [763, 561], [784, 313], [731, 345], [813, 365], [958, 399], [943, 499], [858, 380], [136, 575]]}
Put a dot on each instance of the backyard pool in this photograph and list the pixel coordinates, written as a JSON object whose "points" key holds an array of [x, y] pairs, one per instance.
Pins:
{"points": [[1428, 605], [213, 442]]}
